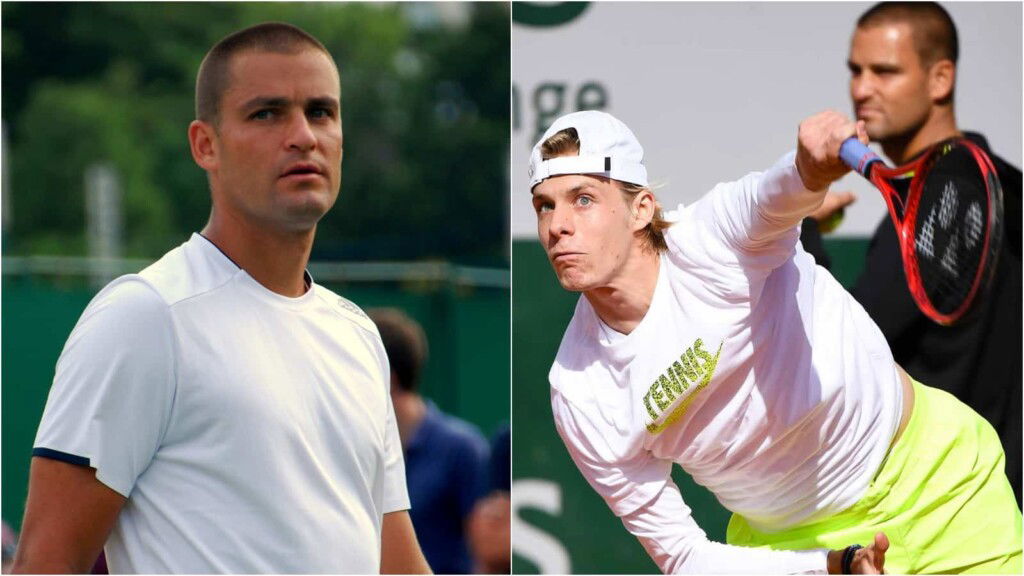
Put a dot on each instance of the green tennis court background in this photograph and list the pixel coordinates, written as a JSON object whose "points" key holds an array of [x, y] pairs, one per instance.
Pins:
{"points": [[560, 524]]}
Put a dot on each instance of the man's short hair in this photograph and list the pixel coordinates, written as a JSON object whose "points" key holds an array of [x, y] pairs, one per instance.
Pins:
{"points": [[405, 343], [567, 143], [214, 72], [934, 32]]}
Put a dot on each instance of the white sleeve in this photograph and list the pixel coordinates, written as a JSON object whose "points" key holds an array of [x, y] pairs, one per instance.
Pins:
{"points": [[781, 201], [113, 391], [396, 492], [625, 481], [752, 223], [666, 529], [639, 489]]}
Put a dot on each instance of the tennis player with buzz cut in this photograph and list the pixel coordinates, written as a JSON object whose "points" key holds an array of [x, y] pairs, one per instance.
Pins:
{"points": [[220, 412], [707, 337], [903, 69]]}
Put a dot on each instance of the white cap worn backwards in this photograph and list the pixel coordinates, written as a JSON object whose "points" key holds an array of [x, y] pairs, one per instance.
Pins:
{"points": [[607, 148]]}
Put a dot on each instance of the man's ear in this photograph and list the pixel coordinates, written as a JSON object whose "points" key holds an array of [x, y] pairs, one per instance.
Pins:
{"points": [[202, 139], [941, 81], [643, 207]]}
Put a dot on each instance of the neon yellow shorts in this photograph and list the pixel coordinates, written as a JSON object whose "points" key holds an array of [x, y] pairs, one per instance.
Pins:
{"points": [[942, 498]]}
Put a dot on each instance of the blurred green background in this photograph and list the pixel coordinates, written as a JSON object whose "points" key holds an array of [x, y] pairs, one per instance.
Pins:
{"points": [[421, 222], [425, 106]]}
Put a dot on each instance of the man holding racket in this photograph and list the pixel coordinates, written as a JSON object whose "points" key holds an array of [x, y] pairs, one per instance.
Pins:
{"points": [[903, 69], [707, 337], [220, 412]]}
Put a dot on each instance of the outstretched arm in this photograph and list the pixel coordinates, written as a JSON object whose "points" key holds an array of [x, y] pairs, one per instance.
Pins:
{"points": [[639, 490], [677, 545], [666, 530], [817, 163], [753, 222]]}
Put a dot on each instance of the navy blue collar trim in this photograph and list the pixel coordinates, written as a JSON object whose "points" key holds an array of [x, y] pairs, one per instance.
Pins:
{"points": [[306, 278], [219, 250]]}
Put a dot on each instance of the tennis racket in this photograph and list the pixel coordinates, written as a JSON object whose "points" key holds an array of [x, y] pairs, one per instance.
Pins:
{"points": [[947, 207]]}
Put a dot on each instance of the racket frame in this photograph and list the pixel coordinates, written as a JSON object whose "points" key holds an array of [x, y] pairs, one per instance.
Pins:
{"points": [[903, 212]]}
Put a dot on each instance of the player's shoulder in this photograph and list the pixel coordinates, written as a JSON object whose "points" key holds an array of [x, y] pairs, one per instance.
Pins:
{"points": [[347, 310], [189, 270], [1009, 175], [690, 222], [678, 214], [128, 296]]}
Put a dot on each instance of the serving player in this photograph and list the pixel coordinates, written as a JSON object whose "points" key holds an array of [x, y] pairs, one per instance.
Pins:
{"points": [[707, 337], [219, 411]]}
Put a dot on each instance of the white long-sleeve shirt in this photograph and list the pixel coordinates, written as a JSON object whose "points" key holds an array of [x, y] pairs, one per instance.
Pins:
{"points": [[753, 369]]}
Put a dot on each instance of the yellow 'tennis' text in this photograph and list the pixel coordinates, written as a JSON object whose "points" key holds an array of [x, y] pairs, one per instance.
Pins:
{"points": [[693, 369]]}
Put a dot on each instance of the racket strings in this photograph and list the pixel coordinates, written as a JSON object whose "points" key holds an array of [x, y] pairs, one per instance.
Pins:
{"points": [[950, 230]]}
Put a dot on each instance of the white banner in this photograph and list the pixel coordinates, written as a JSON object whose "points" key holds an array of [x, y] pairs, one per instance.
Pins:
{"points": [[716, 90]]}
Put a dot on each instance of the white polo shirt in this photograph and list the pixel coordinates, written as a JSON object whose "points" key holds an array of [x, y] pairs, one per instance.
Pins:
{"points": [[753, 369], [250, 432]]}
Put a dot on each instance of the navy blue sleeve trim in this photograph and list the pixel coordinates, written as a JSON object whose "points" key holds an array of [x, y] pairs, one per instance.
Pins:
{"points": [[62, 456]]}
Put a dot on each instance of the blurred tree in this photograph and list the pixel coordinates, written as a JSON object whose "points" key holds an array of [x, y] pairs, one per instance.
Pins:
{"points": [[424, 105]]}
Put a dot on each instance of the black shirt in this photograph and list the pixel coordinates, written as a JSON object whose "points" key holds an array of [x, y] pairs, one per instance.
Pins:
{"points": [[978, 360]]}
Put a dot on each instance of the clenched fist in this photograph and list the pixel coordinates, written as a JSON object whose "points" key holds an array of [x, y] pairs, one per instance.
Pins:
{"points": [[818, 142]]}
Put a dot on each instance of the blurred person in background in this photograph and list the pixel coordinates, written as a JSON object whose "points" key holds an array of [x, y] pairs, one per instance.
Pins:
{"points": [[220, 411], [490, 531], [445, 457], [903, 69], [10, 544]]}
